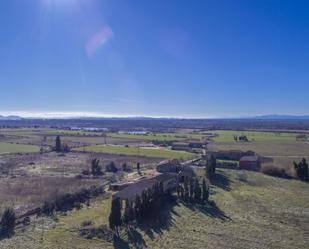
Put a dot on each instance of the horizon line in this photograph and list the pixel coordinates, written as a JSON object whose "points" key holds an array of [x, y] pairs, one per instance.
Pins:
{"points": [[70, 115]]}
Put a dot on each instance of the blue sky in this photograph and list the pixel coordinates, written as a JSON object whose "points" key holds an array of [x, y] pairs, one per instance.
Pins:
{"points": [[157, 58]]}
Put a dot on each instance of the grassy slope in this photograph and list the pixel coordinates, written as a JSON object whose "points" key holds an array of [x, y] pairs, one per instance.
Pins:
{"points": [[7, 148], [163, 153], [258, 212]]}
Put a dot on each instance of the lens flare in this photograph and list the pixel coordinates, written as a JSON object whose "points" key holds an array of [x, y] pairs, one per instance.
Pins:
{"points": [[98, 40]]}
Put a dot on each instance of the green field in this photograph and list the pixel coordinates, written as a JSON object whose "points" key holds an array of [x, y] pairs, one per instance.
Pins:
{"points": [[248, 213], [159, 136], [74, 132], [146, 137], [8, 148], [150, 152], [228, 135]]}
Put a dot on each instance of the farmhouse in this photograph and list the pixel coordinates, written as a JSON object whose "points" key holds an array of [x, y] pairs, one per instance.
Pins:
{"points": [[181, 146], [172, 166], [120, 185], [188, 145], [186, 171], [169, 181], [250, 163], [196, 144], [235, 155]]}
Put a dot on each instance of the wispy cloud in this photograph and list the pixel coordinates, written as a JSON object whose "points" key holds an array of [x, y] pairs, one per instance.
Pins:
{"points": [[98, 40], [35, 114], [64, 115]]}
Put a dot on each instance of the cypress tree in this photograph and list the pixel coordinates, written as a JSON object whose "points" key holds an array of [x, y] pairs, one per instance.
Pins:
{"points": [[191, 188], [211, 167], [137, 207], [7, 223], [302, 169], [128, 215], [95, 167], [161, 193], [182, 191], [186, 188], [205, 191], [115, 216], [58, 147], [197, 190], [144, 203]]}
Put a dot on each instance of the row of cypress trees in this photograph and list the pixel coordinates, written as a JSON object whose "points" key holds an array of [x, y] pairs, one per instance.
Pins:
{"points": [[191, 190], [302, 170], [151, 201], [148, 203]]}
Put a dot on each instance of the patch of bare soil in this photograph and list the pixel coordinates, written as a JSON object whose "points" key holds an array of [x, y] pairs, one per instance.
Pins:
{"points": [[69, 164], [25, 193]]}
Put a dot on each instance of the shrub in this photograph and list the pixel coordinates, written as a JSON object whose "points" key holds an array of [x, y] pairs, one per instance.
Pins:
{"points": [[48, 208], [101, 232], [95, 167], [111, 167], [66, 148], [68, 201], [7, 224], [242, 177], [86, 172], [273, 170], [86, 223], [302, 169]]}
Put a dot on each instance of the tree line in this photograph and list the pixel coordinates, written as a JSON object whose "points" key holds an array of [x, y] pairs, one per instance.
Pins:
{"points": [[97, 170], [152, 200], [148, 203], [190, 190], [301, 169]]}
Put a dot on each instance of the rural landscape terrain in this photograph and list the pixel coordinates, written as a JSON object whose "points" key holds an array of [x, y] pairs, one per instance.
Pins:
{"points": [[60, 180], [138, 124]]}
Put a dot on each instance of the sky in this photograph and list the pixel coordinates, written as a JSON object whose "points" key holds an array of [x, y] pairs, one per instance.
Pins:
{"points": [[219, 58]]}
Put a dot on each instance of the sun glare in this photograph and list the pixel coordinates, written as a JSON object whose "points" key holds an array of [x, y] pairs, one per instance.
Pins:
{"points": [[59, 2]]}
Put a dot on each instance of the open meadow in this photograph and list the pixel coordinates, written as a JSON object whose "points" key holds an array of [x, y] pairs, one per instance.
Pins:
{"points": [[245, 207], [137, 151], [9, 148], [136, 124], [146, 137], [284, 148], [228, 135]]}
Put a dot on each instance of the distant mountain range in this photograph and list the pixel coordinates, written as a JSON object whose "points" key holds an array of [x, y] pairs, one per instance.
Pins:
{"points": [[282, 117], [11, 117], [262, 117]]}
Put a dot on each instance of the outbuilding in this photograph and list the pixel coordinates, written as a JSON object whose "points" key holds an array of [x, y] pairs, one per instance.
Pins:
{"points": [[250, 163], [171, 166], [169, 181]]}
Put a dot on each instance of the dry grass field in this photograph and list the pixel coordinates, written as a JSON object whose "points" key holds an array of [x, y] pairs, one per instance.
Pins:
{"points": [[29, 179], [26, 193], [68, 164]]}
